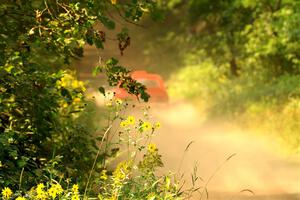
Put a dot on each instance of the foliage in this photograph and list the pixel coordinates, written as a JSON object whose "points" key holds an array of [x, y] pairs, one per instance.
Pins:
{"points": [[41, 103], [134, 177], [254, 102], [246, 35], [239, 60]]}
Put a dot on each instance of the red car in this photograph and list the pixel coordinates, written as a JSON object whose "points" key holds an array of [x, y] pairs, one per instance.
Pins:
{"points": [[154, 84]]}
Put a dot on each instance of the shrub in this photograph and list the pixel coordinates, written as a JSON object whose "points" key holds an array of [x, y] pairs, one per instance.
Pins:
{"points": [[134, 177], [268, 105]]}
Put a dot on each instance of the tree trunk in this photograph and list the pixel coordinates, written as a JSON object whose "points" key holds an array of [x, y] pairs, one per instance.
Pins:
{"points": [[233, 67]]}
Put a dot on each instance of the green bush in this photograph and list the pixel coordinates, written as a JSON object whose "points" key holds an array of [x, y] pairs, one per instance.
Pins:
{"points": [[252, 100], [39, 113]]}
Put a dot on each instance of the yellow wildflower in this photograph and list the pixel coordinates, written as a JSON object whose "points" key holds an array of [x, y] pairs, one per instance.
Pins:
{"points": [[64, 105], [109, 104], [119, 101], [157, 125], [75, 197], [76, 100], [52, 192], [103, 175], [152, 148], [75, 188], [146, 126], [81, 85], [40, 193], [20, 198], [124, 123], [63, 83], [55, 190], [58, 188], [75, 84], [122, 171], [113, 2], [131, 120], [40, 188], [41, 196], [6, 193]]}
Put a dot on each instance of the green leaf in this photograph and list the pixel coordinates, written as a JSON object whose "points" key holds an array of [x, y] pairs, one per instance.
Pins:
{"points": [[107, 22], [101, 90], [97, 70], [98, 43]]}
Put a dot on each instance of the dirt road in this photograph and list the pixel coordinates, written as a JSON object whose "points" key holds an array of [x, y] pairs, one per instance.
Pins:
{"points": [[258, 163]]}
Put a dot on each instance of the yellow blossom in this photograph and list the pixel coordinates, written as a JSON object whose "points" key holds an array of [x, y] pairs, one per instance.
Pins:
{"points": [[76, 100], [58, 188], [152, 148], [64, 105], [157, 125], [20, 198], [75, 188], [146, 126], [108, 104], [6, 193], [75, 197], [113, 2], [40, 193], [130, 120], [119, 101], [63, 83], [40, 188], [75, 84], [41, 196], [124, 123], [55, 190], [81, 85], [122, 171], [103, 175], [52, 192]]}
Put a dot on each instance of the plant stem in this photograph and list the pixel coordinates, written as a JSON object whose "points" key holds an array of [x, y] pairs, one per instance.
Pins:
{"points": [[97, 155]]}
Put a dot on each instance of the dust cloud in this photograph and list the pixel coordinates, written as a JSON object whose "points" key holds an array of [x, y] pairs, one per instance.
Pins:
{"points": [[257, 163], [234, 159]]}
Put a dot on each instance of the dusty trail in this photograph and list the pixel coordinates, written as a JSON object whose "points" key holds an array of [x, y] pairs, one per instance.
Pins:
{"points": [[258, 164]]}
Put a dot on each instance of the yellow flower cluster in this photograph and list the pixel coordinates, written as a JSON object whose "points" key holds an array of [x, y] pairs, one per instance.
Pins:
{"points": [[122, 172], [112, 103], [146, 126], [103, 175], [55, 190], [75, 192], [40, 192], [129, 121], [70, 82]]}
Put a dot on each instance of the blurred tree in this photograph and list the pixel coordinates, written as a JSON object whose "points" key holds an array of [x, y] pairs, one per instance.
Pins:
{"points": [[39, 103], [243, 34]]}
